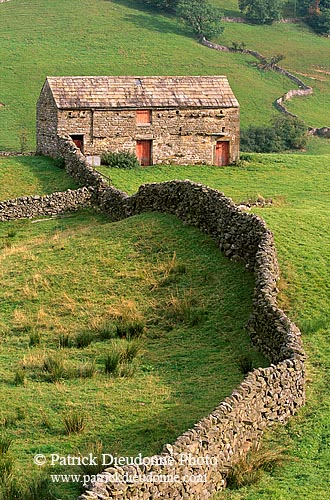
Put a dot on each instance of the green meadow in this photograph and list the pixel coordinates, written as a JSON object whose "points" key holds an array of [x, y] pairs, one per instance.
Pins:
{"points": [[66, 286], [30, 175]]}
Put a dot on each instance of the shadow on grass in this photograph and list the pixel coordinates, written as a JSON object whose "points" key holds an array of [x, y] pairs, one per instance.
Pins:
{"points": [[42, 169], [153, 19]]}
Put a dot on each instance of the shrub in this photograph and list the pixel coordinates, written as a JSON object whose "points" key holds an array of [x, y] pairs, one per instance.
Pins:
{"points": [[74, 422], [261, 11], [261, 140], [120, 159], [291, 130], [286, 132], [168, 5], [204, 19]]}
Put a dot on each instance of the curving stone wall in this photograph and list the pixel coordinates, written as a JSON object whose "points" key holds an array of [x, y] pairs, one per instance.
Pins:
{"points": [[266, 396]]}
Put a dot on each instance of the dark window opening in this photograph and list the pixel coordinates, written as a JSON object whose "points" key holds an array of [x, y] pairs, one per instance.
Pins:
{"points": [[79, 141]]}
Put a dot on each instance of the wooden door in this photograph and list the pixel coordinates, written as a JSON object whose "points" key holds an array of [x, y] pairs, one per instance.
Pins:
{"points": [[222, 153], [143, 152]]}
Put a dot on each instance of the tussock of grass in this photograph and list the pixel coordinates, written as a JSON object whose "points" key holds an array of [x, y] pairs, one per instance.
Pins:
{"points": [[74, 422], [250, 468]]}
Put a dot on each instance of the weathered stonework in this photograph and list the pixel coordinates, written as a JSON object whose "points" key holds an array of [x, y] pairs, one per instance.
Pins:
{"points": [[28, 207], [182, 130]]}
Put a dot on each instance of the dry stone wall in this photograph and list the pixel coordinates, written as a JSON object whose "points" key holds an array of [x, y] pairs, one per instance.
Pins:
{"points": [[28, 207], [265, 397]]}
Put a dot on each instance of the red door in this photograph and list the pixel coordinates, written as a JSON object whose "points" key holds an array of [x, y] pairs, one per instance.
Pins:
{"points": [[222, 153], [143, 152]]}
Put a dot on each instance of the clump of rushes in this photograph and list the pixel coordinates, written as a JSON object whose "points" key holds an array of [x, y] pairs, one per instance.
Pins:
{"points": [[64, 340], [130, 329], [6, 461], [246, 364], [112, 361], [54, 367], [19, 378], [119, 361], [93, 467], [249, 469], [35, 338], [86, 370], [83, 339], [74, 422]]}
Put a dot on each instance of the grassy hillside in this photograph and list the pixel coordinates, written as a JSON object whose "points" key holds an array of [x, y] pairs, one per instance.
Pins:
{"points": [[150, 270], [97, 37]]}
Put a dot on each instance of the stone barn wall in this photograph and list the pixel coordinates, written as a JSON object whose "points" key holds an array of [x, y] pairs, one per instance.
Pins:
{"points": [[47, 140], [178, 136]]}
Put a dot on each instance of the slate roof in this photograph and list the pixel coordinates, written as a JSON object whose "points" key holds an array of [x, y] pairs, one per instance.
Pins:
{"points": [[104, 92]]}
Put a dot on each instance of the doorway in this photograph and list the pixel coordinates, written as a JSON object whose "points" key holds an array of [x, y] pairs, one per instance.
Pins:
{"points": [[143, 152], [222, 153], [79, 141]]}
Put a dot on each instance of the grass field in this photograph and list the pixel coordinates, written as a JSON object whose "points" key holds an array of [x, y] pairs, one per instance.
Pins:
{"points": [[96, 37], [143, 265], [151, 269]]}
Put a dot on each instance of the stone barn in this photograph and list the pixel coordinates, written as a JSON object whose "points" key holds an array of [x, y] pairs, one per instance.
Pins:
{"points": [[180, 120]]}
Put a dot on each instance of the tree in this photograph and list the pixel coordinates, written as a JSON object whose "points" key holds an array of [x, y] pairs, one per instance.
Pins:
{"points": [[262, 11], [317, 14], [204, 19], [291, 130], [285, 133]]}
